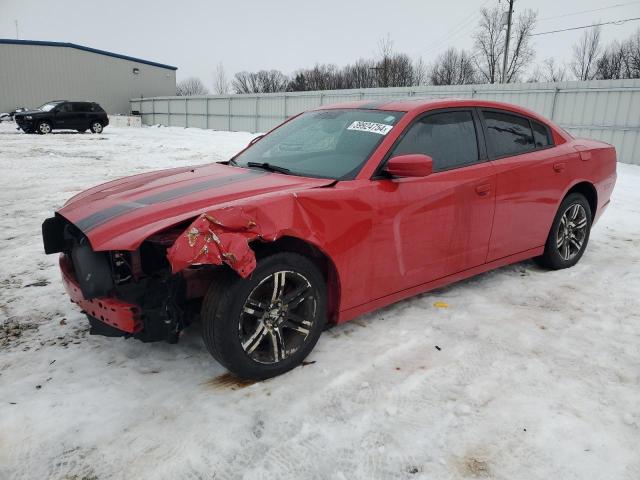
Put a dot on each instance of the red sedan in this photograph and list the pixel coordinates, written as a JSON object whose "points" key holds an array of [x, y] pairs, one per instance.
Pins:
{"points": [[336, 212]]}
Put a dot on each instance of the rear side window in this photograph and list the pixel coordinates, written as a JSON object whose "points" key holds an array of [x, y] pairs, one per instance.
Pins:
{"points": [[80, 107], [541, 135], [449, 138], [507, 134]]}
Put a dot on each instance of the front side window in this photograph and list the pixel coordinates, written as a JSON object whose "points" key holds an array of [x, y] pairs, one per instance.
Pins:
{"points": [[322, 143], [449, 138], [65, 107], [507, 134], [48, 107]]}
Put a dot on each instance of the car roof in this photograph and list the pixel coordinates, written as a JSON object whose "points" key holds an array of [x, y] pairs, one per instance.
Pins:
{"points": [[411, 104]]}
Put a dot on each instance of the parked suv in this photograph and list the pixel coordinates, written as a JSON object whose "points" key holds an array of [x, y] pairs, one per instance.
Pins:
{"points": [[63, 114]]}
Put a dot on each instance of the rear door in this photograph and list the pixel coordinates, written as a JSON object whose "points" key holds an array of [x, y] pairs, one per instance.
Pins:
{"points": [[81, 112], [530, 178], [437, 225]]}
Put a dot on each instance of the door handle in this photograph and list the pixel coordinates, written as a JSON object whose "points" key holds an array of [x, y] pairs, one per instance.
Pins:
{"points": [[483, 189], [559, 166]]}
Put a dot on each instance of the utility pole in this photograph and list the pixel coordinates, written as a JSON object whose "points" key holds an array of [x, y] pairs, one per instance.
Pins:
{"points": [[506, 42], [17, 36]]}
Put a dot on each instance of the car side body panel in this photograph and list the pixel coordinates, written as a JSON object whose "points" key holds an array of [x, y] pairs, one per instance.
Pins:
{"points": [[387, 238]]}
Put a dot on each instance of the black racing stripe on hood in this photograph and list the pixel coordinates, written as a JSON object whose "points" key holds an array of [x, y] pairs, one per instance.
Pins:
{"points": [[96, 219]]}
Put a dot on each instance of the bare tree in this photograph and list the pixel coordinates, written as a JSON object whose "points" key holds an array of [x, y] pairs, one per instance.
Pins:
{"points": [[361, 74], [191, 86], [453, 67], [264, 81], [611, 63], [552, 72], [220, 82], [586, 53], [382, 66], [490, 43], [420, 76], [631, 48], [521, 54], [392, 69]]}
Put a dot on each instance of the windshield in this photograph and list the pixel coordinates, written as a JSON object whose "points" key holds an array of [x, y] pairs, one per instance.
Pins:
{"points": [[322, 143], [47, 106]]}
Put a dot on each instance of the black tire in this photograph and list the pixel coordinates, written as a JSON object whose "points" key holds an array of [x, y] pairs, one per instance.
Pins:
{"points": [[81, 130], [96, 127], [44, 127], [224, 320], [554, 256]]}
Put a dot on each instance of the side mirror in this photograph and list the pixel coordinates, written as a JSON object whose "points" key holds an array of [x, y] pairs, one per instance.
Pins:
{"points": [[412, 165], [255, 139]]}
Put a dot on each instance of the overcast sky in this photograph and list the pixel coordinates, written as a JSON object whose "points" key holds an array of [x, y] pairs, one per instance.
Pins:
{"points": [[288, 34]]}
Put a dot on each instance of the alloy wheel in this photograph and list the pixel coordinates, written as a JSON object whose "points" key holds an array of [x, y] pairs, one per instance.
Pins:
{"points": [[277, 317], [572, 231]]}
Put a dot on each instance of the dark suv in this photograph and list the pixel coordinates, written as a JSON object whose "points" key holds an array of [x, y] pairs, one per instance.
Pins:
{"points": [[63, 114]]}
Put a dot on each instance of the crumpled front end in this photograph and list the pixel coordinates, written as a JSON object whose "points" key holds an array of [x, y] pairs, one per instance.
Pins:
{"points": [[125, 293], [123, 316]]}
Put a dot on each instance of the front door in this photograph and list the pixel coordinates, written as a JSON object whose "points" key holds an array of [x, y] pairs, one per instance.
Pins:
{"points": [[440, 224], [65, 117]]}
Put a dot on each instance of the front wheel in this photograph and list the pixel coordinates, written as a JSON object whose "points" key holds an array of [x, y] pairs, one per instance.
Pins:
{"points": [[96, 127], [267, 324], [44, 127], [569, 233]]}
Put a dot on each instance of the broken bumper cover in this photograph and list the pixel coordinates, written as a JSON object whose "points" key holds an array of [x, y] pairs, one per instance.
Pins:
{"points": [[111, 311]]}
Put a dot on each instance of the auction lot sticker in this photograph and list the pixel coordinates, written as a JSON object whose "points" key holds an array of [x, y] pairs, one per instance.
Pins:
{"points": [[379, 128]]}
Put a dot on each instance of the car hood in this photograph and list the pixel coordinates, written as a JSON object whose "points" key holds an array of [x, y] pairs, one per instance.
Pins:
{"points": [[29, 112], [120, 215]]}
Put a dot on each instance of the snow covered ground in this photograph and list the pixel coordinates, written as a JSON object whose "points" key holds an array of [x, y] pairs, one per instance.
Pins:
{"points": [[526, 374]]}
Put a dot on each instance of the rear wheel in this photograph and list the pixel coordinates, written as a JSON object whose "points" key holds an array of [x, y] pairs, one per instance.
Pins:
{"points": [[569, 233], [44, 127], [267, 324], [96, 127]]}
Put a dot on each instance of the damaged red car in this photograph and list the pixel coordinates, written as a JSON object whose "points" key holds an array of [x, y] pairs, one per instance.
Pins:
{"points": [[335, 213]]}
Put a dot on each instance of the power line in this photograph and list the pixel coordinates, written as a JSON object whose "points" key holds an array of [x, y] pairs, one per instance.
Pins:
{"points": [[614, 22], [456, 31], [589, 11]]}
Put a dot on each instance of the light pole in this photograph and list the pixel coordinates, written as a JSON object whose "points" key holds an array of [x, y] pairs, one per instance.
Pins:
{"points": [[506, 42]]}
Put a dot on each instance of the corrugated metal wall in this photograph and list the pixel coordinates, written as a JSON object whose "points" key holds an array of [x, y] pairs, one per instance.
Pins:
{"points": [[607, 110], [31, 75]]}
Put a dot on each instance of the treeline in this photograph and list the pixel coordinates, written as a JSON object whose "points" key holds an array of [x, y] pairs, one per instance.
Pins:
{"points": [[590, 60]]}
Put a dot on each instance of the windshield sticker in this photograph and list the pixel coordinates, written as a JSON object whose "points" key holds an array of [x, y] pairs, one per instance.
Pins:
{"points": [[379, 128]]}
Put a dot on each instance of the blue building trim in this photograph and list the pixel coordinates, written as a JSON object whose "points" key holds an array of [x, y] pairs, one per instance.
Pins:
{"points": [[86, 49]]}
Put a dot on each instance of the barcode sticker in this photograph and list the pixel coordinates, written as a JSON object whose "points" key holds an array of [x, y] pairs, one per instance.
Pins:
{"points": [[372, 127]]}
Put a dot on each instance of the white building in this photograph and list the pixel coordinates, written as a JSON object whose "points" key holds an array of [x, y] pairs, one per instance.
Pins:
{"points": [[34, 72]]}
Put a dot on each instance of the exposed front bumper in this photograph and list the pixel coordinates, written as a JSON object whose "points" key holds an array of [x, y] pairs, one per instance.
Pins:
{"points": [[113, 312], [25, 124]]}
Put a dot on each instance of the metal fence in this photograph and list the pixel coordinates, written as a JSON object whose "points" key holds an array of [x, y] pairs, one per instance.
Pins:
{"points": [[607, 110]]}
